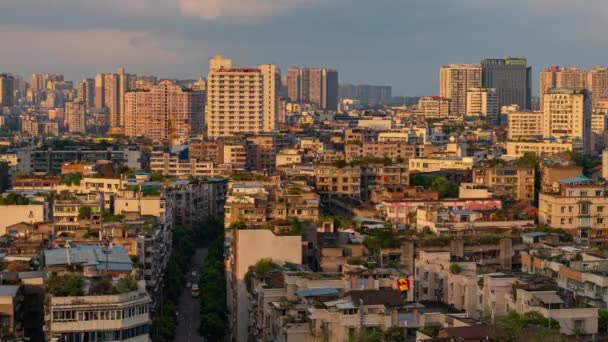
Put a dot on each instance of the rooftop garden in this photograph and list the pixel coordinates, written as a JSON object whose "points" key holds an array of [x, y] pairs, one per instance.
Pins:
{"points": [[249, 176], [16, 199], [73, 284], [70, 179]]}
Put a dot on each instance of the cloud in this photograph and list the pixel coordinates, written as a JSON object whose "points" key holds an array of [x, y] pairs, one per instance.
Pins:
{"points": [[85, 52], [240, 9]]}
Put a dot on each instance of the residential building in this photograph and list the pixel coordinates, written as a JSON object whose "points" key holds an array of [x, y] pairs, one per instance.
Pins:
{"points": [[557, 78], [525, 126], [597, 84], [394, 150], [455, 80], [512, 79], [567, 115], [246, 248], [95, 315], [166, 113], [432, 107], [11, 309], [519, 148], [554, 168], [241, 100], [577, 205], [318, 86], [507, 180], [51, 160], [334, 180], [599, 136], [483, 102], [442, 163], [172, 165], [75, 117]]}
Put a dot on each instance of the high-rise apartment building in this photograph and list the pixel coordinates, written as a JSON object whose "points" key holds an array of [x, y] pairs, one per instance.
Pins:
{"points": [[483, 102], [512, 79], [111, 96], [123, 84], [567, 114], [75, 116], [597, 84], [6, 90], [99, 91], [166, 113], [455, 80], [318, 86], [86, 93], [556, 78], [241, 100]]}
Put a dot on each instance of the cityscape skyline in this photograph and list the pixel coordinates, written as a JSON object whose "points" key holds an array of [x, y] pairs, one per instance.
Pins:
{"points": [[183, 35]]}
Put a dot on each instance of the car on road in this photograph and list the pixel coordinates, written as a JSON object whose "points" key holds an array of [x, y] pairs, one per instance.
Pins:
{"points": [[194, 273], [188, 284], [194, 290]]}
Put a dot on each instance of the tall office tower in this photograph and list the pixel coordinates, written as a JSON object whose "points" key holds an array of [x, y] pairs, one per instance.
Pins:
{"points": [[111, 98], [240, 100], [122, 89], [556, 78], [99, 91], [6, 90], [483, 102], [512, 79], [567, 114], [90, 89], [166, 113], [597, 84], [75, 116], [36, 82], [455, 80], [313, 85]]}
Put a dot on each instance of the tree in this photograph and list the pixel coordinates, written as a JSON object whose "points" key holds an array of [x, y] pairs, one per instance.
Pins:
{"points": [[444, 187], [85, 212], [126, 284], [603, 321], [69, 284]]}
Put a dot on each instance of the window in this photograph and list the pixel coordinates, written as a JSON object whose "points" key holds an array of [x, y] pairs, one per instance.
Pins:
{"points": [[600, 221]]}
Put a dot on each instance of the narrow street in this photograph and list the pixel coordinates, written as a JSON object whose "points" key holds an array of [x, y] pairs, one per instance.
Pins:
{"points": [[189, 319]]}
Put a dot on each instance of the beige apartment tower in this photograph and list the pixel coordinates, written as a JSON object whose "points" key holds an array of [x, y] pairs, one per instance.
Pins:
{"points": [[241, 100], [597, 84], [567, 115], [432, 107], [75, 116], [455, 80]]}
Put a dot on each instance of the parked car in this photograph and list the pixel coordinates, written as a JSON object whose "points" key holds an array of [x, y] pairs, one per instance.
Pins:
{"points": [[194, 290]]}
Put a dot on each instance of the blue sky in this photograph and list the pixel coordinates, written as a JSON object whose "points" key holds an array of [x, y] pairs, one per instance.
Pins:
{"points": [[396, 42]]}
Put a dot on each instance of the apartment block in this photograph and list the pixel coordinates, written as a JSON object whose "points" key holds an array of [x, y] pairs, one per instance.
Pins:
{"points": [[577, 205], [433, 107], [567, 115], [395, 150], [507, 181], [525, 126], [520, 148], [241, 100], [166, 113], [455, 80], [334, 180]]}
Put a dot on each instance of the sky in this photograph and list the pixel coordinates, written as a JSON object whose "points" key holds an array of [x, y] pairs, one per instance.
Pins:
{"points": [[385, 42]]}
